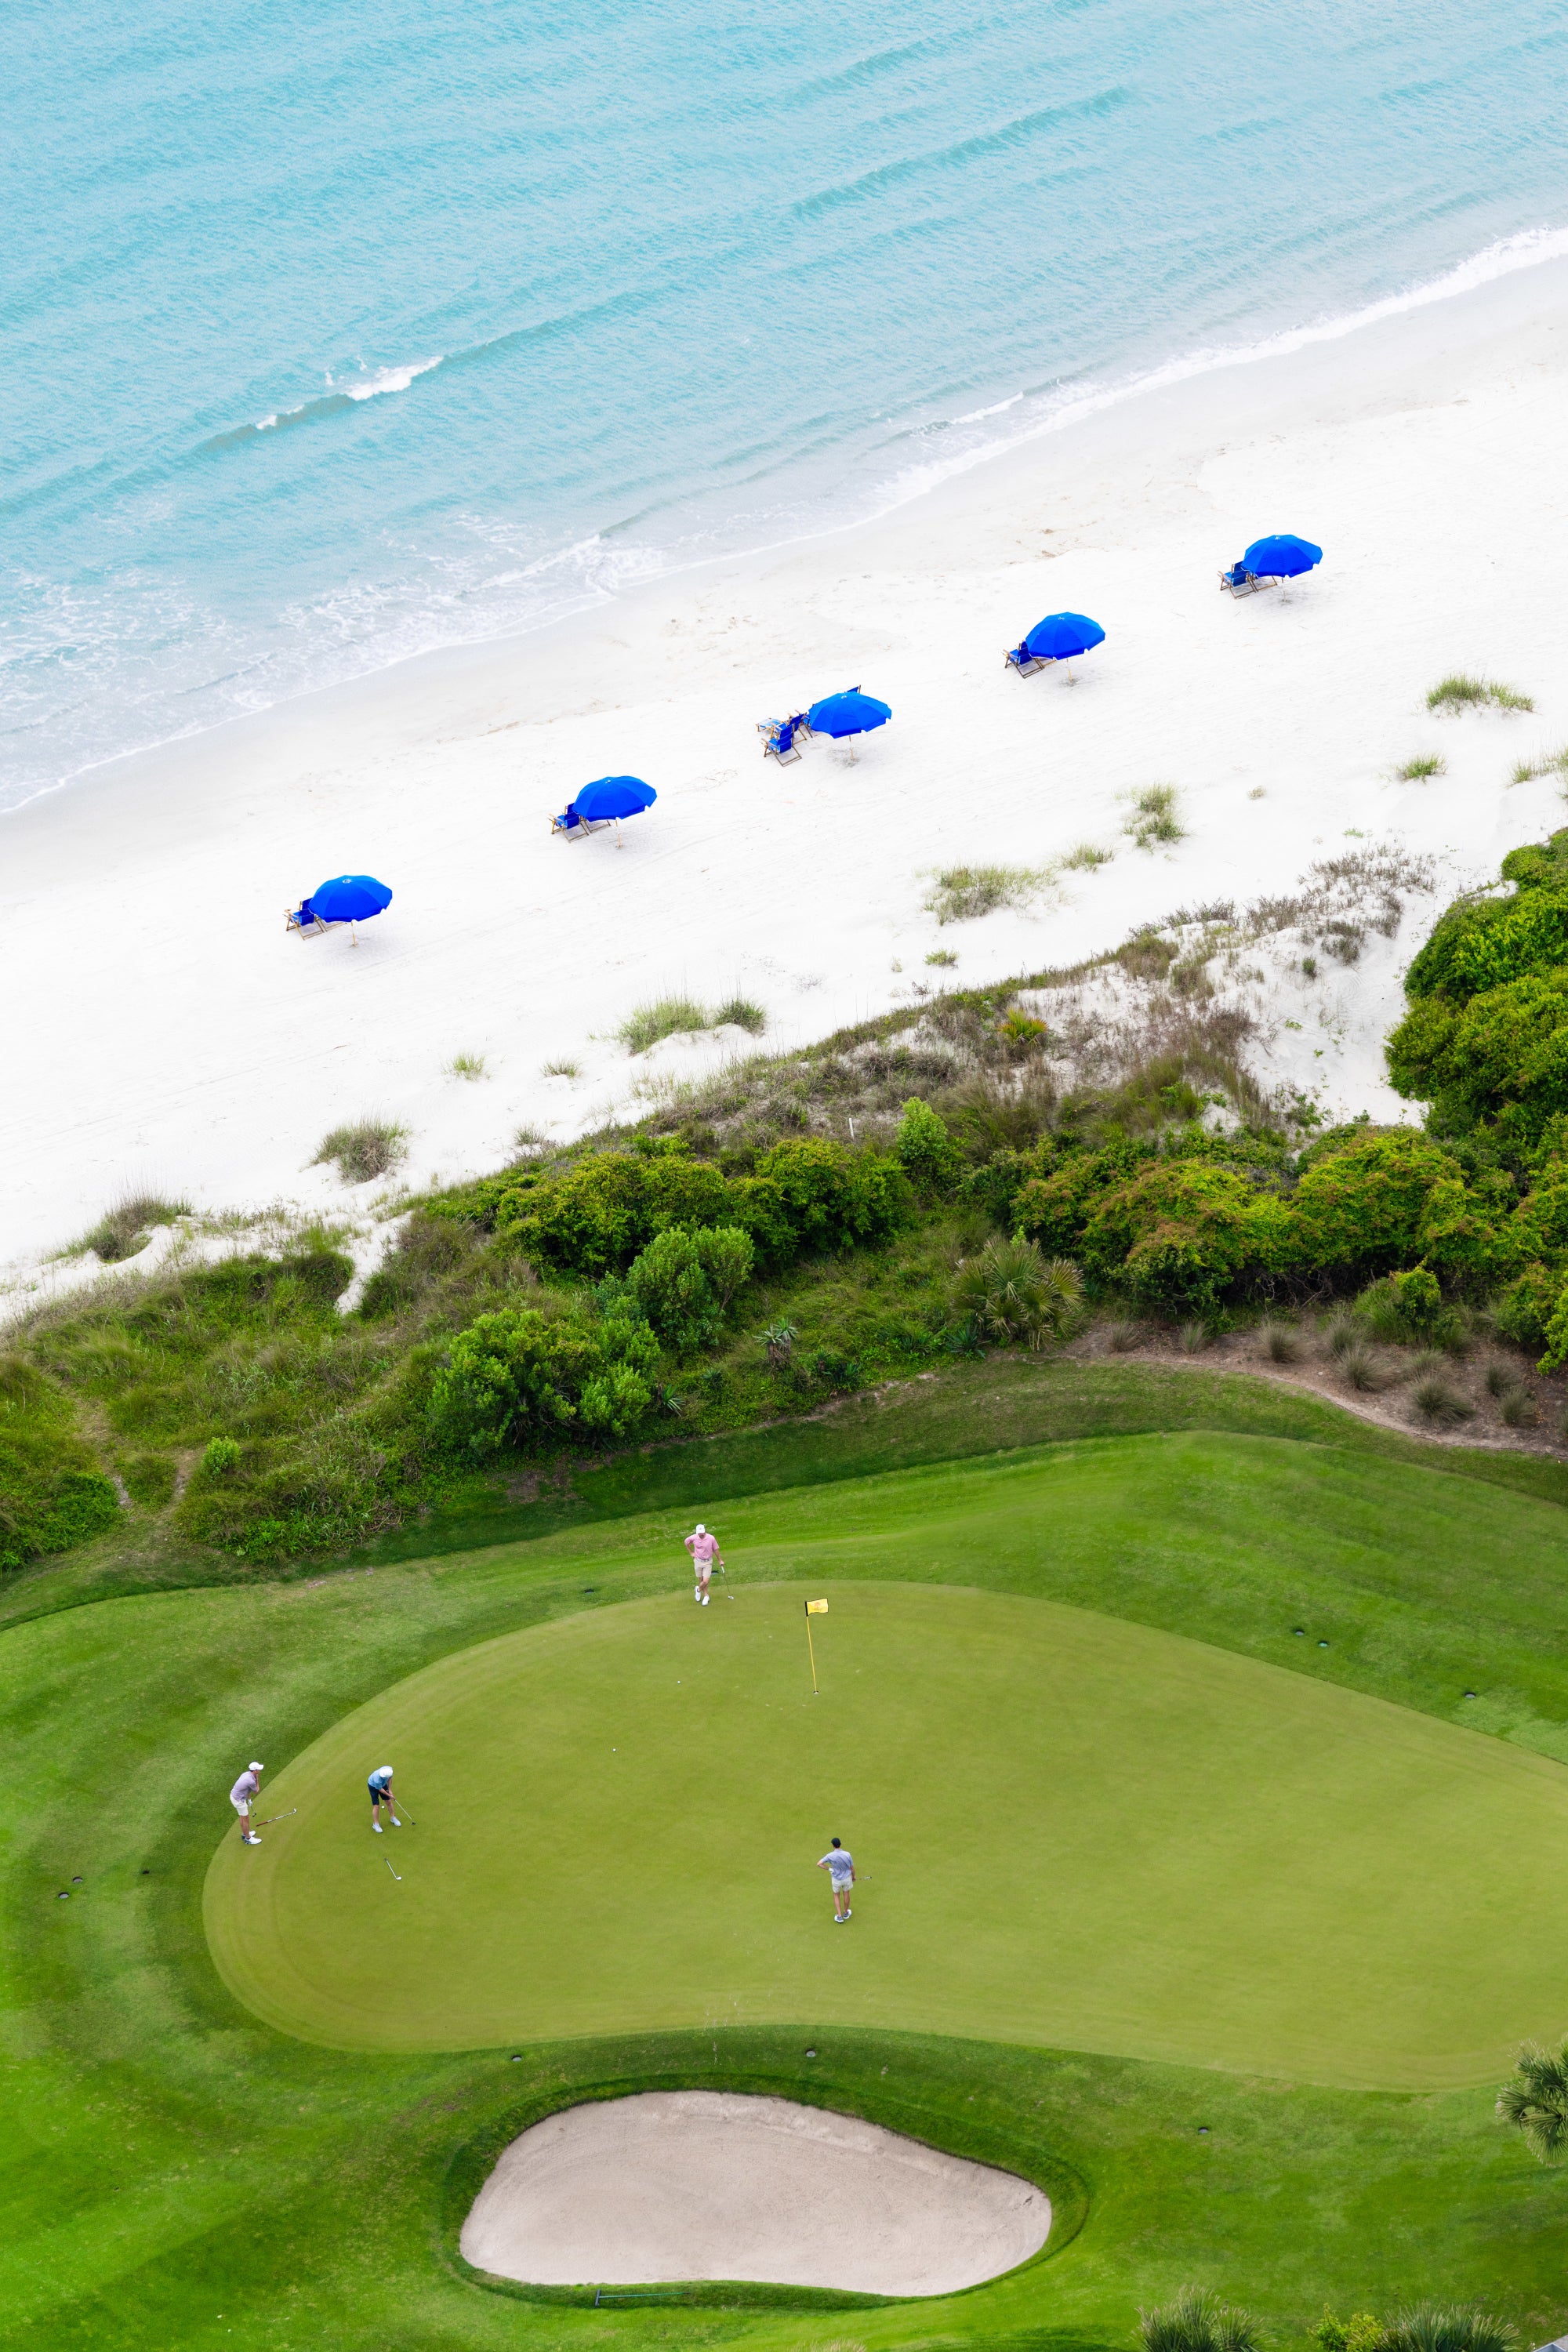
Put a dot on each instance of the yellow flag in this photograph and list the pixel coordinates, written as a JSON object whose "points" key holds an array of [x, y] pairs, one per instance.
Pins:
{"points": [[817, 1608]]}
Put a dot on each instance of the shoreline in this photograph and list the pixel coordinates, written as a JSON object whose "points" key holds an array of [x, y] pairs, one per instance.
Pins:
{"points": [[173, 1040], [1484, 278]]}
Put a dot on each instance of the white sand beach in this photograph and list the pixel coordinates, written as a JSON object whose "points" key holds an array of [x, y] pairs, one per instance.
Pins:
{"points": [[164, 1034]]}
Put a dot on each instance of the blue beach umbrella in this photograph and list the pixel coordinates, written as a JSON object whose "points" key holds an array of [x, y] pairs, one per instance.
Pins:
{"points": [[850, 713], [1060, 636], [610, 796], [349, 898], [1280, 557]]}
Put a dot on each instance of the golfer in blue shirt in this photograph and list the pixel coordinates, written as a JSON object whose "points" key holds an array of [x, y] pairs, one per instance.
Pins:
{"points": [[380, 1794]]}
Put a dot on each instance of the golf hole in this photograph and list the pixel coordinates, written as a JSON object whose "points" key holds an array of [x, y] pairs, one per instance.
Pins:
{"points": [[669, 2185]]}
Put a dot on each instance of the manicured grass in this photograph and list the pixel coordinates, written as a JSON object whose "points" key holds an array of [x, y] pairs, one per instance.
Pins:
{"points": [[1076, 1833], [172, 2160]]}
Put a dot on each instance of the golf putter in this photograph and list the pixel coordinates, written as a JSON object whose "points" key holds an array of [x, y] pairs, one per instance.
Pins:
{"points": [[387, 1859], [277, 1817]]}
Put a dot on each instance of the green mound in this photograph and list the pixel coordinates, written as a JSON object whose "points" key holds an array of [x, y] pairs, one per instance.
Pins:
{"points": [[1077, 1832]]}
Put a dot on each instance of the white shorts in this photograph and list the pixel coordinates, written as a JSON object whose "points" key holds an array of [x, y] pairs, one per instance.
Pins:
{"points": [[241, 1805]]}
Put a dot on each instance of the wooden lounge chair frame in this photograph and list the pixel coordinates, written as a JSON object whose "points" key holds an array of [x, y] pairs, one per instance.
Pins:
{"points": [[584, 826], [312, 929], [1030, 663], [1247, 585], [770, 730]]}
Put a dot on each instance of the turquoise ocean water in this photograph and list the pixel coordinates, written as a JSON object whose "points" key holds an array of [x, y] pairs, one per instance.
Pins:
{"points": [[333, 333]]}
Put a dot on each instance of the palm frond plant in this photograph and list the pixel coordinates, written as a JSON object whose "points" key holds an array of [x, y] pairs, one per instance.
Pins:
{"points": [[1536, 2101], [1011, 1292], [1197, 2321]]}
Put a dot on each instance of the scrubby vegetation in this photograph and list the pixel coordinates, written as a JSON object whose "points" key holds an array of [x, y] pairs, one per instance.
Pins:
{"points": [[673, 1016], [1459, 691], [989, 1168], [365, 1148]]}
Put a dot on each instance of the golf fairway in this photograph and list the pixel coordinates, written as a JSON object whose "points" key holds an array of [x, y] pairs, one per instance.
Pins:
{"points": [[1074, 1832]]}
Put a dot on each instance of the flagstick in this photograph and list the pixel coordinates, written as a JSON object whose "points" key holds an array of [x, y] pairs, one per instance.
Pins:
{"points": [[810, 1652]]}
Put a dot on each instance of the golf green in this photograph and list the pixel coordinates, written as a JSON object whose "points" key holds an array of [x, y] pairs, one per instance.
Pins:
{"points": [[1073, 1830]]}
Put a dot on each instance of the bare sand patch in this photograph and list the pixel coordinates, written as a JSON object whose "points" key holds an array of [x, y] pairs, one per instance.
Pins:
{"points": [[717, 2185]]}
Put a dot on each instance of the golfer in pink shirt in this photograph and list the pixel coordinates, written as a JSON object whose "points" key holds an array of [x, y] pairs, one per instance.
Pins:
{"points": [[705, 1554]]}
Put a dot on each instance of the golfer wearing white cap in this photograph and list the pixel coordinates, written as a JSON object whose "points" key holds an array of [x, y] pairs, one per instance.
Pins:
{"points": [[239, 1796], [380, 1794], [704, 1550]]}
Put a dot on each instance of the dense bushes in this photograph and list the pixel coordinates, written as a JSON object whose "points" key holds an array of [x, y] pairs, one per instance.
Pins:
{"points": [[1485, 1043], [595, 1218], [518, 1377], [685, 1279]]}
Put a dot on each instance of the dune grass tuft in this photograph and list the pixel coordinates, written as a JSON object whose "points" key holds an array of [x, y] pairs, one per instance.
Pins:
{"points": [[661, 1016], [1425, 764], [1086, 857], [1460, 691], [740, 1012], [1153, 817], [562, 1070], [125, 1229], [943, 957], [466, 1065], [675, 1016], [1540, 764], [961, 894], [365, 1148]]}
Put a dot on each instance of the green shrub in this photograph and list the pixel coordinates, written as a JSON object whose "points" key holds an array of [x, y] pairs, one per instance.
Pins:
{"points": [[516, 1377], [1402, 1307], [1054, 1207], [1362, 1204], [1499, 1061], [595, 1216], [1360, 2334], [1183, 1234], [926, 1152], [686, 1278], [1525, 1310], [1011, 1291], [222, 1455], [828, 1198]]}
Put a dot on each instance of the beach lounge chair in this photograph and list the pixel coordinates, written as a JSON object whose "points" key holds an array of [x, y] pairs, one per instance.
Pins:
{"points": [[779, 736], [1024, 662], [304, 920], [1241, 581], [573, 827]]}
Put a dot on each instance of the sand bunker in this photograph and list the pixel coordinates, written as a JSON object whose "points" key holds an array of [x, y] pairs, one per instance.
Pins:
{"points": [[711, 2185]]}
